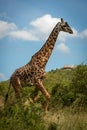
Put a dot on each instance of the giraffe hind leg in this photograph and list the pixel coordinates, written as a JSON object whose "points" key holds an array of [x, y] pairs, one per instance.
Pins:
{"points": [[36, 94], [17, 86]]}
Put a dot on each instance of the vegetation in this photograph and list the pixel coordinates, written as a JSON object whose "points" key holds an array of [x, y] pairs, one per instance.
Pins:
{"points": [[67, 107]]}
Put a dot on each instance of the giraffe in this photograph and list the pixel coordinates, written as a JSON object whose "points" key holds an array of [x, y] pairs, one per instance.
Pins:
{"points": [[34, 71]]}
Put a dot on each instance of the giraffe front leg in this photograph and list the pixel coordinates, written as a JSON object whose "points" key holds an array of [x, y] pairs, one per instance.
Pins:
{"points": [[39, 85]]}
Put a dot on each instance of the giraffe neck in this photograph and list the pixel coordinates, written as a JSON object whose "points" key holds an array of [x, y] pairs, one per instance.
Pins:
{"points": [[43, 55]]}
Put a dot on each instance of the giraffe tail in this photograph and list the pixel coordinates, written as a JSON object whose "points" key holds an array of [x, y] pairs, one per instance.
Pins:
{"points": [[6, 96]]}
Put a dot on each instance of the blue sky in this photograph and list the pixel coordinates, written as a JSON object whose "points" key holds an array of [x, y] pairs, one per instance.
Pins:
{"points": [[26, 24]]}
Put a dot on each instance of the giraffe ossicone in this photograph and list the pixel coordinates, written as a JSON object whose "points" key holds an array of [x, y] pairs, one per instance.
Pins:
{"points": [[34, 71]]}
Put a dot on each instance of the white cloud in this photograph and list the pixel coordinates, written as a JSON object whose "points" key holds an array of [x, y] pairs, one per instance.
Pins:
{"points": [[62, 48], [45, 23], [75, 33], [42, 26], [40, 30], [6, 28], [83, 34], [62, 36], [2, 76], [23, 35]]}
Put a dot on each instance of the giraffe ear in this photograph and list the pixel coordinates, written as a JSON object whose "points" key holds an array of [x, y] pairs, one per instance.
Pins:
{"points": [[62, 20]]}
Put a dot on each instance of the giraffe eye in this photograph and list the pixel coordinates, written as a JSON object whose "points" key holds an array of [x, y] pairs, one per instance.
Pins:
{"points": [[64, 26]]}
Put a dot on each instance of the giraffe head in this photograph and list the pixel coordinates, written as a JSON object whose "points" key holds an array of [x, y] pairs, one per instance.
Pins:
{"points": [[65, 27]]}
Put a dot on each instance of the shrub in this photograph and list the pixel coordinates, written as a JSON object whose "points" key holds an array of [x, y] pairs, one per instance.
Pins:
{"points": [[62, 96], [79, 86], [74, 92], [17, 118]]}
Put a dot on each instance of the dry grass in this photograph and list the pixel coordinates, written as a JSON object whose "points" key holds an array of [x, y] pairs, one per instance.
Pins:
{"points": [[65, 120]]}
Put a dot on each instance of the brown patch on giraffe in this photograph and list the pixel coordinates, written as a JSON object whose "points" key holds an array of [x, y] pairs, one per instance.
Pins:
{"points": [[34, 71]]}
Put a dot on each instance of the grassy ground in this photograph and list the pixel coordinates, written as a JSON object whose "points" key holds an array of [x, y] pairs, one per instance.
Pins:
{"points": [[66, 120], [66, 112], [35, 118]]}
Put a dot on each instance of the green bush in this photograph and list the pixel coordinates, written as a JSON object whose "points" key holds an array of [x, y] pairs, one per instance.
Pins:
{"points": [[79, 86], [68, 89], [62, 96], [73, 93], [17, 118]]}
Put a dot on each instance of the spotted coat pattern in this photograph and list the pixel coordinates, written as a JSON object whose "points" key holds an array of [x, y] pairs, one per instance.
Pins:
{"points": [[34, 71]]}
